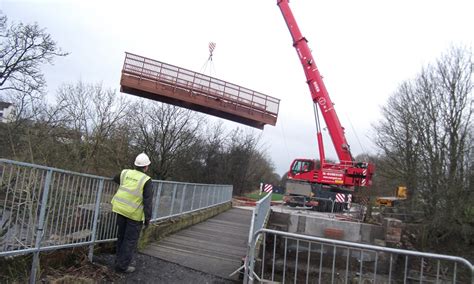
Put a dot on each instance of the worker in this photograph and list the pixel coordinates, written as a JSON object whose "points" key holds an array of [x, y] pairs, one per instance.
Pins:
{"points": [[132, 204], [305, 167]]}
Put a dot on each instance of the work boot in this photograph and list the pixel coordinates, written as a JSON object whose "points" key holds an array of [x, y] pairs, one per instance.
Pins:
{"points": [[129, 269]]}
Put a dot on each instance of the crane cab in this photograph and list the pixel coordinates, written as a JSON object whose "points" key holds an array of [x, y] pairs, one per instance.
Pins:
{"points": [[303, 169]]}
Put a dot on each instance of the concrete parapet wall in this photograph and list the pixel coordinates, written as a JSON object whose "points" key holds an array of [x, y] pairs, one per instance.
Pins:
{"points": [[336, 229], [159, 230]]}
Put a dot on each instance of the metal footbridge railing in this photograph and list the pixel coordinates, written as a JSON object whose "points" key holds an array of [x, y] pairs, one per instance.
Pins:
{"points": [[44, 208]]}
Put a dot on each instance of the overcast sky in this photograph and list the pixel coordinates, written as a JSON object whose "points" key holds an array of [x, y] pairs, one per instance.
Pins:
{"points": [[364, 49]]}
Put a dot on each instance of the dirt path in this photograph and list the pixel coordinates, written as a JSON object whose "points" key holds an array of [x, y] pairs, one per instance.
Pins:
{"points": [[153, 270]]}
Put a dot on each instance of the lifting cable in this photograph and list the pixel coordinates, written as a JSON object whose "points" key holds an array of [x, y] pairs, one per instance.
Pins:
{"points": [[211, 46], [212, 69], [357, 136], [318, 128], [316, 118]]}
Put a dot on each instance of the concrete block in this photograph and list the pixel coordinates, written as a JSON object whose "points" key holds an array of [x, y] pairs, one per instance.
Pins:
{"points": [[369, 232], [352, 231], [392, 223], [393, 235]]}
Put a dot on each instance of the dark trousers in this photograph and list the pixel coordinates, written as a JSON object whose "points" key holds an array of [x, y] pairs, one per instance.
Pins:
{"points": [[127, 238]]}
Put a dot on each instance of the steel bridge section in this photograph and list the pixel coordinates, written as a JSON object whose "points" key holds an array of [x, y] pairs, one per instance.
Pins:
{"points": [[181, 87]]}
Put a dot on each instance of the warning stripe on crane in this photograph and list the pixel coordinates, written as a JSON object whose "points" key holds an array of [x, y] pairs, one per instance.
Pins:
{"points": [[363, 182]]}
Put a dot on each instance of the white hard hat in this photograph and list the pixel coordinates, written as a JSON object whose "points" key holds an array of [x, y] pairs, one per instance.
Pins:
{"points": [[142, 160]]}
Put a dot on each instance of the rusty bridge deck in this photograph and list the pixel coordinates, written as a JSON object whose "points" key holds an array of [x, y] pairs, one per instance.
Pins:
{"points": [[170, 84]]}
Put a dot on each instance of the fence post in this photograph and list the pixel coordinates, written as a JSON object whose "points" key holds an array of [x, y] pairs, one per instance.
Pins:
{"points": [[173, 198], [154, 215], [181, 207], [192, 200], [143, 67], [200, 197], [39, 230], [96, 219], [214, 189], [208, 202], [250, 263]]}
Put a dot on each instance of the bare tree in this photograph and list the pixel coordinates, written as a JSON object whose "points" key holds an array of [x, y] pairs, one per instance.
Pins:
{"points": [[245, 165], [426, 139], [24, 48], [203, 159], [213, 150], [90, 115], [226, 157], [397, 141], [163, 131]]}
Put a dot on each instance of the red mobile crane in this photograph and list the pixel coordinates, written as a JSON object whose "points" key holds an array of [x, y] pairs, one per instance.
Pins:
{"points": [[321, 186]]}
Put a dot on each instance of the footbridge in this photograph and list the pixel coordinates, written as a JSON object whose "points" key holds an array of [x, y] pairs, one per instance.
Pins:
{"points": [[216, 246], [196, 225]]}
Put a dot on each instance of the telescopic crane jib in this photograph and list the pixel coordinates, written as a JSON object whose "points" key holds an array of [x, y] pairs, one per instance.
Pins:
{"points": [[333, 179]]}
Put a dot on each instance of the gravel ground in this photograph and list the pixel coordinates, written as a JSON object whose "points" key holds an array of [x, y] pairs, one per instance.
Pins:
{"points": [[154, 270]]}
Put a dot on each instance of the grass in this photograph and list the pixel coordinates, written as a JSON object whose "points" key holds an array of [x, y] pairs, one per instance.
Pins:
{"points": [[257, 196]]}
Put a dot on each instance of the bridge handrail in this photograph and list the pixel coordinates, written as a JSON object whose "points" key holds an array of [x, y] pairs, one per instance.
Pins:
{"points": [[260, 216], [44, 208]]}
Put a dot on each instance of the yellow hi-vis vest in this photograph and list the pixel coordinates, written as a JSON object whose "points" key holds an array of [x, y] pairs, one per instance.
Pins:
{"points": [[128, 201]]}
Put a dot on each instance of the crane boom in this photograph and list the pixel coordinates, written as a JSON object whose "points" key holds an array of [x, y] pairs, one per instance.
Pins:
{"points": [[319, 94]]}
